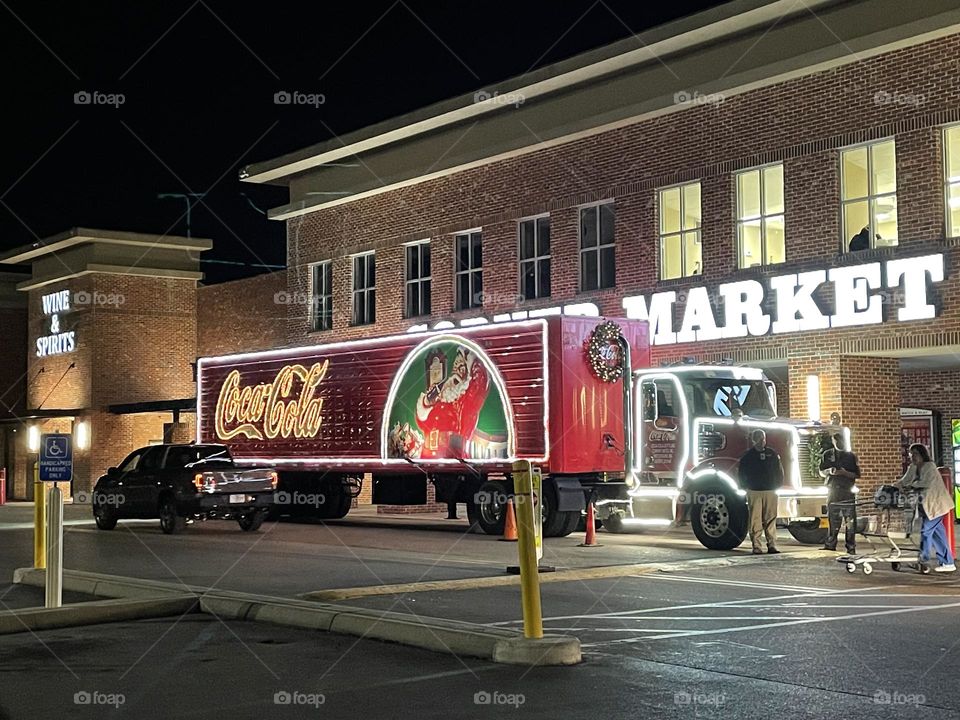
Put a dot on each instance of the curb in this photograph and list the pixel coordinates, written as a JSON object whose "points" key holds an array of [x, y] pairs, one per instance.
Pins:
{"points": [[95, 613], [437, 634]]}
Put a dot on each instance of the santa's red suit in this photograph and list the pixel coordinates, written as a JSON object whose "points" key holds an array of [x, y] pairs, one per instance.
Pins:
{"points": [[449, 417]]}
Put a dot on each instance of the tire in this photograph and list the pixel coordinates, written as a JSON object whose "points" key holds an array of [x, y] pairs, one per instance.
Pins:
{"points": [[170, 521], [613, 523], [808, 532], [556, 523], [252, 521], [490, 507], [851, 568], [103, 516], [719, 518], [895, 567], [341, 505], [867, 569]]}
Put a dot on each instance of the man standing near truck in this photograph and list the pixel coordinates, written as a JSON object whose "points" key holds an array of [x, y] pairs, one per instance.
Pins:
{"points": [[761, 475], [842, 470]]}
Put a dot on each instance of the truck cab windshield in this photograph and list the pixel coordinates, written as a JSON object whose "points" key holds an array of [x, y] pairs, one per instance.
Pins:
{"points": [[720, 397]]}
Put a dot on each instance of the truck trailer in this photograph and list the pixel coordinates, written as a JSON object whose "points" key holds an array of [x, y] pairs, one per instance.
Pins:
{"points": [[455, 408]]}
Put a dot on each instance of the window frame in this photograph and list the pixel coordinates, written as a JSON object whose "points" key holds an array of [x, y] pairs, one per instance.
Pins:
{"points": [[424, 282], [661, 236], [326, 299], [949, 231], [473, 271], [369, 292], [871, 197], [762, 217], [599, 247], [536, 259]]}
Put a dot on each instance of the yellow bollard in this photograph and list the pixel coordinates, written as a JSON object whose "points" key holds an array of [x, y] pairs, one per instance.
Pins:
{"points": [[39, 520], [529, 573]]}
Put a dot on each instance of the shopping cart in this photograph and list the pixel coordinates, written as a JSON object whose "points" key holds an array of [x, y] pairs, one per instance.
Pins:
{"points": [[893, 518]]}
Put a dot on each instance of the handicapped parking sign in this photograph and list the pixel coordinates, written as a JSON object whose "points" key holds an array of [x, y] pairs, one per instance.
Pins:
{"points": [[56, 458]]}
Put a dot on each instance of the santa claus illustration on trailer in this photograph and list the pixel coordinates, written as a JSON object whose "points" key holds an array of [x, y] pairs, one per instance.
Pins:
{"points": [[448, 409]]}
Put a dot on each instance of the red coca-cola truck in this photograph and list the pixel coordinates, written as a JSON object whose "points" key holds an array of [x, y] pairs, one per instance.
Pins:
{"points": [[453, 408]]}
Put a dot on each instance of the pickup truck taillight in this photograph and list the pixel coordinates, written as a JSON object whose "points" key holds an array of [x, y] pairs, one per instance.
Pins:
{"points": [[274, 479], [203, 482]]}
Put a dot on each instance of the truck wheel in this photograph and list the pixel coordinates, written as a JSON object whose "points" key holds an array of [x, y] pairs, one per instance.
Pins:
{"points": [[170, 522], [251, 521], [719, 518], [340, 506], [556, 523], [808, 532], [613, 523], [105, 518], [490, 507]]}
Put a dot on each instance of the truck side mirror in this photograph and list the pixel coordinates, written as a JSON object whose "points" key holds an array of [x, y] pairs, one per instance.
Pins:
{"points": [[112, 471]]}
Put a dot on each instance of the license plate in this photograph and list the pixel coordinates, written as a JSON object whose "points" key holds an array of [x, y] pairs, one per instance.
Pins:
{"points": [[238, 498]]}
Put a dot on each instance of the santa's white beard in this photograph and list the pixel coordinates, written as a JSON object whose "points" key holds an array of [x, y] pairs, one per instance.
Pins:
{"points": [[454, 388]]}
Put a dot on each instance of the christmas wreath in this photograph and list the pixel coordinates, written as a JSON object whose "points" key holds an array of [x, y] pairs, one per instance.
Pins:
{"points": [[603, 351]]}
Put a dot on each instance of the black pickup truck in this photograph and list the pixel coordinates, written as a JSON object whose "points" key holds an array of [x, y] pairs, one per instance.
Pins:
{"points": [[177, 483]]}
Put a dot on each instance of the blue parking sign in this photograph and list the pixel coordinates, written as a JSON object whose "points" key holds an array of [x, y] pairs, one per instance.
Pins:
{"points": [[56, 458]]}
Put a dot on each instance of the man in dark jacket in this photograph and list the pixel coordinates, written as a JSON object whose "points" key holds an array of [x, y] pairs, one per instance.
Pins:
{"points": [[761, 475], [842, 470]]}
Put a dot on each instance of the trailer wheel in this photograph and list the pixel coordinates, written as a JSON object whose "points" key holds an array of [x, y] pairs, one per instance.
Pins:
{"points": [[719, 518], [808, 532], [556, 523], [614, 523], [489, 507]]}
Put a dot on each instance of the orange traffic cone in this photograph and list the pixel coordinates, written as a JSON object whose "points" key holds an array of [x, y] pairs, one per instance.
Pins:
{"points": [[510, 524], [591, 538]]}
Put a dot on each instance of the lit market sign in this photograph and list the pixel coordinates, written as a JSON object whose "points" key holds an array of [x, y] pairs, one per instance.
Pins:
{"points": [[858, 292], [273, 409], [56, 342]]}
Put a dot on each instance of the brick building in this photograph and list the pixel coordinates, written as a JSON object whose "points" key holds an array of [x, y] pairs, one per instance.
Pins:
{"points": [[769, 182]]}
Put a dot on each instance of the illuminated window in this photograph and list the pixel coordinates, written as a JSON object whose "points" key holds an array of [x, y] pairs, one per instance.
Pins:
{"points": [[418, 279], [951, 161], [680, 231], [597, 258], [535, 258], [760, 228], [321, 294], [868, 187], [364, 289], [469, 270]]}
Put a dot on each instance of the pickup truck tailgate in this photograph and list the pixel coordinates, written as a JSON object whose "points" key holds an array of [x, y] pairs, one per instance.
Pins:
{"points": [[238, 481]]}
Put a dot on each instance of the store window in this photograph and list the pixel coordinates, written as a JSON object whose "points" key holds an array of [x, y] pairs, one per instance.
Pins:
{"points": [[364, 289], [597, 249], [868, 186], [680, 254], [951, 158], [760, 226], [535, 258], [321, 296], [418, 280], [469, 270]]}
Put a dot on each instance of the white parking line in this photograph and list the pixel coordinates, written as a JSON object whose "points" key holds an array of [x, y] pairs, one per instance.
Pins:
{"points": [[737, 583]]}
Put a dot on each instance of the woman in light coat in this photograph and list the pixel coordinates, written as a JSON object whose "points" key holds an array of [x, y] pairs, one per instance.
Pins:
{"points": [[935, 504]]}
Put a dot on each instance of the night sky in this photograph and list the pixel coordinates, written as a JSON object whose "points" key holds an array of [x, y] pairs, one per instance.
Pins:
{"points": [[198, 82]]}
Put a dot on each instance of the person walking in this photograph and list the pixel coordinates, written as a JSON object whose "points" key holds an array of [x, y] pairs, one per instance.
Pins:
{"points": [[761, 475], [935, 504], [842, 470]]}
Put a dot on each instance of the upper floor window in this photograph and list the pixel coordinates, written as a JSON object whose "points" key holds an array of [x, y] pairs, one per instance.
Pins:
{"points": [[418, 280], [469, 270], [597, 258], [535, 258], [321, 296], [680, 254], [760, 228], [951, 162], [364, 289], [868, 187]]}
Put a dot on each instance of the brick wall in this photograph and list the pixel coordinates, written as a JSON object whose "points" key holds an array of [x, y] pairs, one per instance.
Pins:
{"points": [[938, 391], [244, 315]]}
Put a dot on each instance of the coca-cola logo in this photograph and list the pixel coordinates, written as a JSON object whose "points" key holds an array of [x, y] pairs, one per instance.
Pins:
{"points": [[603, 351]]}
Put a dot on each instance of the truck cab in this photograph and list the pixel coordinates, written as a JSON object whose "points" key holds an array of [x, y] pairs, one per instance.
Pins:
{"points": [[692, 425]]}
